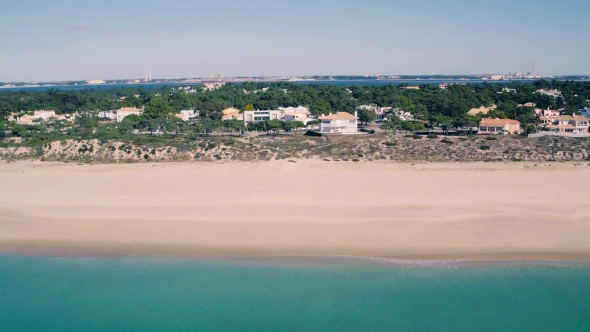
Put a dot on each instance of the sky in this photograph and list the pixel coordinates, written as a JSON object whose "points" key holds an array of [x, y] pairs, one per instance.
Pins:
{"points": [[87, 39]]}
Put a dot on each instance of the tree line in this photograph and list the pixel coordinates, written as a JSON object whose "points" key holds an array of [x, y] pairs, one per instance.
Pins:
{"points": [[430, 106]]}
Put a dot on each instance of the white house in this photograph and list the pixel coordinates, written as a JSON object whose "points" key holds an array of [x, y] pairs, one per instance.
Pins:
{"points": [[379, 111], [547, 116], [43, 114], [260, 116], [111, 115], [403, 115], [569, 124], [341, 122], [121, 113], [210, 86], [299, 113], [186, 115], [552, 93], [37, 115], [298, 109], [299, 116]]}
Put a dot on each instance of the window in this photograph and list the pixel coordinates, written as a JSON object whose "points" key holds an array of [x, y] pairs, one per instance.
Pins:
{"points": [[492, 129], [261, 118], [325, 121], [569, 130], [351, 122], [483, 128], [260, 112]]}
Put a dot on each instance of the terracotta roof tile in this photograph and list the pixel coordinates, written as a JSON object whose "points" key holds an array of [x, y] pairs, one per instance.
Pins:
{"points": [[497, 122], [338, 116]]}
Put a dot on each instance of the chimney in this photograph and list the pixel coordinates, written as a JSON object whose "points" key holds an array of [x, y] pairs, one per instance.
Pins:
{"points": [[355, 114]]}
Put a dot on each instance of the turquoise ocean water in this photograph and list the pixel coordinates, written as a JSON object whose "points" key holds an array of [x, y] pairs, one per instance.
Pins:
{"points": [[332, 294]]}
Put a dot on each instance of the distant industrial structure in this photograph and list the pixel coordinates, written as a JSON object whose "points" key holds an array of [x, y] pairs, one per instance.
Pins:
{"points": [[530, 75], [95, 82], [148, 69]]}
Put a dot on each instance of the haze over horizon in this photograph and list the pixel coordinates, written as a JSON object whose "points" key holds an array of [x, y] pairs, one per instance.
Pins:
{"points": [[80, 39]]}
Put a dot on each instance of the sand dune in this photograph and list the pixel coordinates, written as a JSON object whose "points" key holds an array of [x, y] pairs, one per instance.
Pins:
{"points": [[445, 210]]}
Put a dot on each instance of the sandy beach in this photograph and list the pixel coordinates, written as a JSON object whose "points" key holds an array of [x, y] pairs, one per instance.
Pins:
{"points": [[421, 211]]}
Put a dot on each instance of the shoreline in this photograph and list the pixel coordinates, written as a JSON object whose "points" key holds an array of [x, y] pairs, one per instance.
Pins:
{"points": [[85, 250], [425, 211]]}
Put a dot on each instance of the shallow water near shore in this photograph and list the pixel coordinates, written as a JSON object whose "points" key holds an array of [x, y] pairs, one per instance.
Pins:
{"points": [[290, 294]]}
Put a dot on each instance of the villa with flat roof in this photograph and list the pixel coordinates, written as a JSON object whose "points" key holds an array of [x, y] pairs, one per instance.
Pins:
{"points": [[260, 116], [186, 115]]}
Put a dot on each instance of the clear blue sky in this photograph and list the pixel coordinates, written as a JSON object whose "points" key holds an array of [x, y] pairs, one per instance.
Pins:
{"points": [[107, 39]]}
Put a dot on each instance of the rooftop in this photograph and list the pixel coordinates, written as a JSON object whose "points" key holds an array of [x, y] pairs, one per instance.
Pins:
{"points": [[128, 109], [230, 111], [572, 118], [497, 122], [338, 116]]}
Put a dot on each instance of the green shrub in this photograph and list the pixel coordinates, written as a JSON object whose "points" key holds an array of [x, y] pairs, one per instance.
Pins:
{"points": [[484, 147], [312, 133], [417, 137], [446, 141], [389, 143], [491, 138], [432, 136]]}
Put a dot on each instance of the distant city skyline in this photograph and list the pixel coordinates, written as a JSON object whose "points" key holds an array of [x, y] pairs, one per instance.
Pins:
{"points": [[83, 40]]}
